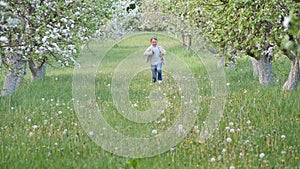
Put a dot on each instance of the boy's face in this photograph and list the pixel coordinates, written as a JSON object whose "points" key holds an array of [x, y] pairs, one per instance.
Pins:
{"points": [[153, 42]]}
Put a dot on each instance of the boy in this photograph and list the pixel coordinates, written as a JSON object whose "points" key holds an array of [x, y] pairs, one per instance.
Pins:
{"points": [[155, 54]]}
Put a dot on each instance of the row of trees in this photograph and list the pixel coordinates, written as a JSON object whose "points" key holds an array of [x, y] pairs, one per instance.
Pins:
{"points": [[259, 29], [36, 32]]}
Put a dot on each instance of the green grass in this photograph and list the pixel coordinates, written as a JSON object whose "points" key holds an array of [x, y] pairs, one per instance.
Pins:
{"points": [[260, 121]]}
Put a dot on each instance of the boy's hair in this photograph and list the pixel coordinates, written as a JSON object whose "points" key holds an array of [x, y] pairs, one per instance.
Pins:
{"points": [[153, 37]]}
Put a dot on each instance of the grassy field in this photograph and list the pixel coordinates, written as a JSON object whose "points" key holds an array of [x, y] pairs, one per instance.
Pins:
{"points": [[260, 126]]}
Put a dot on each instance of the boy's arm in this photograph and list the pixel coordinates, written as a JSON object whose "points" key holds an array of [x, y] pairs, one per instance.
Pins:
{"points": [[148, 51], [162, 51]]}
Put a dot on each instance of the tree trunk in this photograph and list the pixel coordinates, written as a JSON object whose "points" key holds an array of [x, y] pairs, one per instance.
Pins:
{"points": [[294, 76], [14, 76], [265, 70], [255, 67], [37, 71]]}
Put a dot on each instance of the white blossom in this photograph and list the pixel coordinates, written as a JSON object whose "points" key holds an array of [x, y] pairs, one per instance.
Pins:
{"points": [[4, 4], [286, 21], [3, 39]]}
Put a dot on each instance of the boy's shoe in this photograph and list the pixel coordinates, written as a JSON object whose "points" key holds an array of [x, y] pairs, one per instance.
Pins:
{"points": [[153, 80], [159, 82]]}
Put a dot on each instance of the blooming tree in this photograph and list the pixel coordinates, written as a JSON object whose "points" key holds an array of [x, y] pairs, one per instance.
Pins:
{"points": [[45, 31], [246, 27]]}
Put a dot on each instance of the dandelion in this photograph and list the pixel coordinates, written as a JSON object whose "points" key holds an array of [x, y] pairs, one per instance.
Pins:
{"points": [[227, 128], [230, 123], [232, 167], [91, 133], [212, 160], [31, 134], [231, 130], [248, 122], [56, 144], [154, 131], [228, 139], [180, 129], [34, 126], [65, 131], [163, 120], [261, 155], [59, 112], [282, 137]]}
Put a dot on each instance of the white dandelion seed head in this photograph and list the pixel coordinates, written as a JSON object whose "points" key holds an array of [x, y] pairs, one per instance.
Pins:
{"points": [[154, 131], [212, 159], [91, 133], [282, 137], [261, 155], [228, 139], [31, 134]]}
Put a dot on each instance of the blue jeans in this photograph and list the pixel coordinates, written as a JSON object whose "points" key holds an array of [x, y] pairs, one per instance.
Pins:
{"points": [[156, 72]]}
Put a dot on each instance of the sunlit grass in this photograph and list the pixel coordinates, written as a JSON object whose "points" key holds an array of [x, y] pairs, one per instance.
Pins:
{"points": [[260, 127]]}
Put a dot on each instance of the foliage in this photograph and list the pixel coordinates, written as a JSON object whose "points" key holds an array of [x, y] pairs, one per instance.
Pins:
{"points": [[238, 25], [48, 31]]}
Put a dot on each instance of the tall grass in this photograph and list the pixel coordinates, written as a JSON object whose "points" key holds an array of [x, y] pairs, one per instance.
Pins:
{"points": [[39, 127]]}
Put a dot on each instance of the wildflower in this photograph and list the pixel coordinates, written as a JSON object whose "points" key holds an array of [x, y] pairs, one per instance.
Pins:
{"points": [[261, 155], [56, 144], [91, 133], [59, 112], [180, 129], [232, 167], [34, 126], [282, 137], [191, 142], [212, 160], [163, 120], [154, 131], [228, 140], [230, 123], [31, 134], [231, 130], [248, 122]]}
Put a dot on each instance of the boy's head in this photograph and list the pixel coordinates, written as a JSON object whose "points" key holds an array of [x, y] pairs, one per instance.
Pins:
{"points": [[153, 40]]}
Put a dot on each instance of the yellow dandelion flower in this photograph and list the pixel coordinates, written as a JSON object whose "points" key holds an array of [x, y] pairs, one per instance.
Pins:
{"points": [[297, 158], [191, 142], [44, 146]]}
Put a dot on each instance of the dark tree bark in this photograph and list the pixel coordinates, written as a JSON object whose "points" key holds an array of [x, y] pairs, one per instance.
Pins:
{"points": [[38, 71]]}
